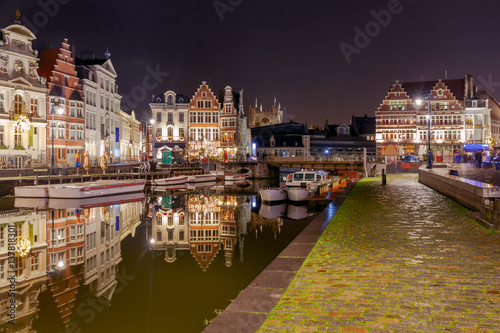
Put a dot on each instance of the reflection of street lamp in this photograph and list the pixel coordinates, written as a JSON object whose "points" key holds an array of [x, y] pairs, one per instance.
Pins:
{"points": [[429, 153], [152, 122], [57, 103]]}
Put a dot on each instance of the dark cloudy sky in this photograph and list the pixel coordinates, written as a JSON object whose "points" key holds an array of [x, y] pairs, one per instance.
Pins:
{"points": [[288, 49]]}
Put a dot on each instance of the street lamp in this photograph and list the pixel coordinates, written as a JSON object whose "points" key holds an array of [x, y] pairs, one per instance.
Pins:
{"points": [[428, 117], [60, 110]]}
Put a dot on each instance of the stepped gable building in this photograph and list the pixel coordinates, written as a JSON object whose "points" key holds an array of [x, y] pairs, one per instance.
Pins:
{"points": [[401, 122], [204, 131], [170, 129], [65, 105], [22, 98], [102, 103], [235, 134], [258, 117]]}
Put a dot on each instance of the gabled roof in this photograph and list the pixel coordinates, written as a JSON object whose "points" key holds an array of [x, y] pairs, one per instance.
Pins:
{"points": [[75, 96], [423, 88]]}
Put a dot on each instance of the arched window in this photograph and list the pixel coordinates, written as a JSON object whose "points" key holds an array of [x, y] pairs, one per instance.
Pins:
{"points": [[170, 100], [170, 132]]}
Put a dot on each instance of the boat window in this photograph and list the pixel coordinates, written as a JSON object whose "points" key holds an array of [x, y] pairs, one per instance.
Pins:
{"points": [[309, 176], [298, 176], [318, 177]]}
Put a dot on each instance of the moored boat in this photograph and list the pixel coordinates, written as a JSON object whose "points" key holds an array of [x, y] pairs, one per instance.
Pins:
{"points": [[299, 194], [171, 180], [96, 189], [202, 178], [273, 194]]}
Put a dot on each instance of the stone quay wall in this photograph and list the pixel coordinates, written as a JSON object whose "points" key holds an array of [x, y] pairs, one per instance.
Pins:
{"points": [[482, 198]]}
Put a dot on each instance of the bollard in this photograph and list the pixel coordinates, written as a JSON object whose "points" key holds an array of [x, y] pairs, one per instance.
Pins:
{"points": [[384, 180], [36, 179], [19, 179], [60, 178]]}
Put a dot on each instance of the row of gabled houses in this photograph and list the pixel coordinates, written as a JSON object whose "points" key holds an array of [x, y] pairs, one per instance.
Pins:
{"points": [[54, 106], [452, 116]]}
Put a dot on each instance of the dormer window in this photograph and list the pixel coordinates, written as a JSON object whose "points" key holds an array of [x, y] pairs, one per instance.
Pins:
{"points": [[474, 104], [170, 100], [272, 141]]}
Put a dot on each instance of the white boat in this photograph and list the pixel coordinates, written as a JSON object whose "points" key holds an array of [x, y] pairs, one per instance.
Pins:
{"points": [[171, 180], [35, 191], [202, 178], [170, 187], [273, 194], [236, 176], [96, 189], [60, 203], [299, 194], [272, 211], [307, 178], [297, 212]]}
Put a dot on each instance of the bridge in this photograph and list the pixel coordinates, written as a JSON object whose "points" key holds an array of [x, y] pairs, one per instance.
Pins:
{"points": [[271, 169]]}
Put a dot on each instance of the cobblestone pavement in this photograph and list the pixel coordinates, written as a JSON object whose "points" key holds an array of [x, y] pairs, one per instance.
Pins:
{"points": [[396, 258]]}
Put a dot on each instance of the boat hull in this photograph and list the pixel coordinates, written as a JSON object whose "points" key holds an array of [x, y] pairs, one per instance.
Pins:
{"points": [[298, 194], [171, 181], [40, 191], [273, 195], [201, 178]]}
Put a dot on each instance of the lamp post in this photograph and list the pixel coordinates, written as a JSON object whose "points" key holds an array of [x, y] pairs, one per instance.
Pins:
{"points": [[57, 103], [429, 152]]}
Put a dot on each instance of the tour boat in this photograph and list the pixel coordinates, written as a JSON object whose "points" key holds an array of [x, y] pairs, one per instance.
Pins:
{"points": [[299, 194], [202, 178], [272, 211], [171, 180], [297, 212], [273, 194], [307, 178], [62, 203], [170, 187], [96, 189]]}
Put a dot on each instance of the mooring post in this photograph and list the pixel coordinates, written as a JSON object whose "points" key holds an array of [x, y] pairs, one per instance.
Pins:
{"points": [[19, 179]]}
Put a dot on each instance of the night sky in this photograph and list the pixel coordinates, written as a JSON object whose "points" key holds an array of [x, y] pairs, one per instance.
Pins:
{"points": [[288, 49]]}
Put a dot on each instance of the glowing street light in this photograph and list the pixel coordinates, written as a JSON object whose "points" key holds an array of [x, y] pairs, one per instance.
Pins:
{"points": [[60, 111], [428, 117]]}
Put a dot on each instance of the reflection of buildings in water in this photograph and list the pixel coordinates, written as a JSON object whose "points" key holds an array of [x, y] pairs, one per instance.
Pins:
{"points": [[102, 249], [65, 258], [129, 218], [207, 223], [29, 269], [258, 223]]}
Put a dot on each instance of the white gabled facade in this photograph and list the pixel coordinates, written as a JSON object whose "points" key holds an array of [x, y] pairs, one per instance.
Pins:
{"points": [[22, 93], [102, 102]]}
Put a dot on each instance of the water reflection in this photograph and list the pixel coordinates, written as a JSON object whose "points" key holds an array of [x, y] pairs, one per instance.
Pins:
{"points": [[75, 268]]}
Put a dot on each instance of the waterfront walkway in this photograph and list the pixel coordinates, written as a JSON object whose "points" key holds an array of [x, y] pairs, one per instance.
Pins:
{"points": [[395, 258]]}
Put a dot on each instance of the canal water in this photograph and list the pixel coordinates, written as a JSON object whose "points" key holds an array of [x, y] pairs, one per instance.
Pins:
{"points": [[166, 263]]}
